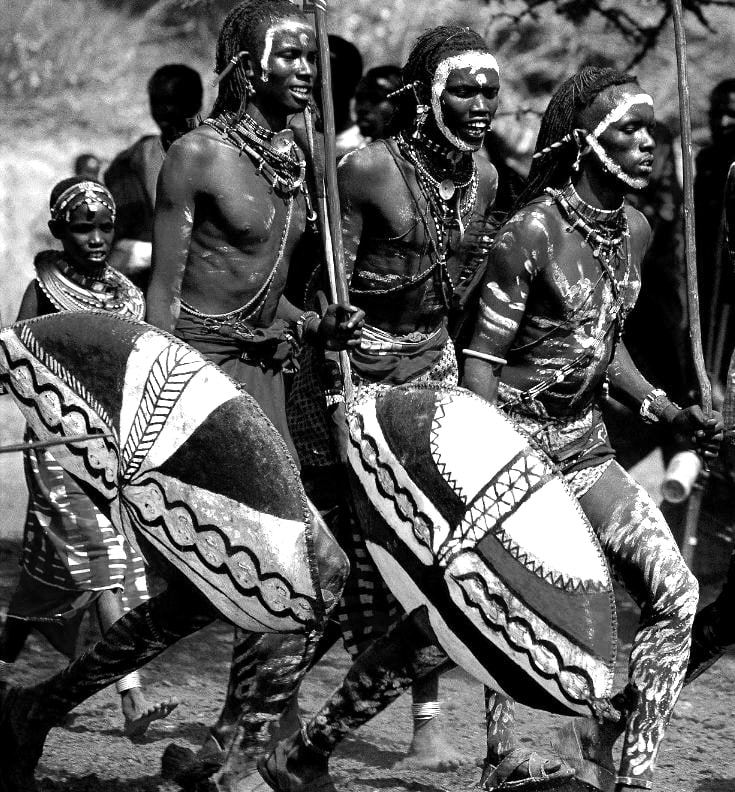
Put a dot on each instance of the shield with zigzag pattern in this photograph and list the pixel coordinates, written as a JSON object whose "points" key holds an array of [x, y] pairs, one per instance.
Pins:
{"points": [[465, 516], [189, 461]]}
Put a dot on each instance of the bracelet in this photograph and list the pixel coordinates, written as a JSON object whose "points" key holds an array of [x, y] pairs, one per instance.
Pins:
{"points": [[428, 710], [302, 324], [638, 783], [654, 405], [128, 682], [498, 361]]}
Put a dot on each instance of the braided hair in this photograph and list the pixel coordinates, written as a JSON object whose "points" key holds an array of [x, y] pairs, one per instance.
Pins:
{"points": [[430, 49], [556, 145], [243, 29]]}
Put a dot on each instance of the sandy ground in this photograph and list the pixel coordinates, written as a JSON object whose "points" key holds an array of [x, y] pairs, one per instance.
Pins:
{"points": [[90, 754]]}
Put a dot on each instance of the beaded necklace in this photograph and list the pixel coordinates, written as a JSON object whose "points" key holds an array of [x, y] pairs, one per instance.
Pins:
{"points": [[277, 157], [606, 231], [70, 290], [450, 206]]}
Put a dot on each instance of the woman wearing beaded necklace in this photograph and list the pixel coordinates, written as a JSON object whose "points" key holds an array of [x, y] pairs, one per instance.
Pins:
{"points": [[562, 275], [72, 556]]}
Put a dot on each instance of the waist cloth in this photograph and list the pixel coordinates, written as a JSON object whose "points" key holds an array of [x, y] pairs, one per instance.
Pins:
{"points": [[71, 554], [578, 444], [253, 356]]}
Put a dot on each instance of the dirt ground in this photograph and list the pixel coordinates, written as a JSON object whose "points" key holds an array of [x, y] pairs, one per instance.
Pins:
{"points": [[89, 754]]}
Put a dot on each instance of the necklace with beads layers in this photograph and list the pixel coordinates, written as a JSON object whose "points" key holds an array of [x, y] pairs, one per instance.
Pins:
{"points": [[606, 231], [70, 290], [275, 154], [450, 202]]}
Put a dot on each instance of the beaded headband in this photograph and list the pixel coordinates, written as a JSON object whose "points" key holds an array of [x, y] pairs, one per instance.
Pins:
{"points": [[85, 192]]}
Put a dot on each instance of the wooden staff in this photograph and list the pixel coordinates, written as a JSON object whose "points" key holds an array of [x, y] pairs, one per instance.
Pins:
{"points": [[689, 539], [53, 442], [332, 221]]}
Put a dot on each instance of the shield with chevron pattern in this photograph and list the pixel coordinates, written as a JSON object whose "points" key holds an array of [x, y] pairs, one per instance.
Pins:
{"points": [[190, 462], [465, 516]]}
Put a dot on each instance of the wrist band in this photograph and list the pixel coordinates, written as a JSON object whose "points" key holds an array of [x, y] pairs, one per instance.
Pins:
{"points": [[128, 682], [498, 361], [427, 710], [654, 405], [302, 324], [638, 783]]}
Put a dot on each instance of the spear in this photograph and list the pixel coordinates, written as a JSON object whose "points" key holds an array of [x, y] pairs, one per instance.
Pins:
{"points": [[54, 441], [689, 540], [335, 257]]}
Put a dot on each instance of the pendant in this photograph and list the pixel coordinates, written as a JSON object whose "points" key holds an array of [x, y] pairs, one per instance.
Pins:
{"points": [[447, 189], [282, 141]]}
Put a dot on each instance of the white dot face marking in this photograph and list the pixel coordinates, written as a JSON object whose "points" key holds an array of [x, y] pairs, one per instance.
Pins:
{"points": [[476, 62], [300, 29]]}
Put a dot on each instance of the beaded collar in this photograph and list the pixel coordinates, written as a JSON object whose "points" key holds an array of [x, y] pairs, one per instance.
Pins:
{"points": [[70, 290], [276, 154]]}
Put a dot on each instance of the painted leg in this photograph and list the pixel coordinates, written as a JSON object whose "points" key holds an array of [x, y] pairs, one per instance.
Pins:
{"points": [[404, 655], [645, 558], [28, 714]]}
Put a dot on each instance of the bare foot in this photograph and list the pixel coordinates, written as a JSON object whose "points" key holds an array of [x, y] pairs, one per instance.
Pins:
{"points": [[22, 737], [429, 748], [139, 714]]}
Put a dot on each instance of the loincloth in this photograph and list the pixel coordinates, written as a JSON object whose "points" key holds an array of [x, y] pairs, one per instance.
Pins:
{"points": [[255, 357], [579, 445]]}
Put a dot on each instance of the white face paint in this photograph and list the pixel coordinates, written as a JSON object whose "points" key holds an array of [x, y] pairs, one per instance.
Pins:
{"points": [[476, 62], [627, 101], [300, 29]]}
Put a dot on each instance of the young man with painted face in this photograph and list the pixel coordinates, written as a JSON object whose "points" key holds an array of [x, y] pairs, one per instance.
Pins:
{"points": [[411, 205], [563, 273]]}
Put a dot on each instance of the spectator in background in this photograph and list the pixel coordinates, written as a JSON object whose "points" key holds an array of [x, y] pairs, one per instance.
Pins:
{"points": [[87, 166], [346, 66], [715, 276], [175, 94], [373, 109]]}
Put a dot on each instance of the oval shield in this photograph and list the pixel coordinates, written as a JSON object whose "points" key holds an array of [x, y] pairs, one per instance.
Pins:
{"points": [[185, 460], [465, 516]]}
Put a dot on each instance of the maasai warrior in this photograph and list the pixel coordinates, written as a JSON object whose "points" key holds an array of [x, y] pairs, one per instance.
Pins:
{"points": [[373, 109], [231, 215], [411, 206], [563, 273], [73, 558]]}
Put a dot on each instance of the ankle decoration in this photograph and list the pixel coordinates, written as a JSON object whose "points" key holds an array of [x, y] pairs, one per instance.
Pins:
{"points": [[310, 745], [638, 783], [426, 711], [128, 682]]}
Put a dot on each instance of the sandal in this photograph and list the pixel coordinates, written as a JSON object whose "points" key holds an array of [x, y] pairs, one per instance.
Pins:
{"points": [[186, 768], [573, 744], [273, 769], [522, 770]]}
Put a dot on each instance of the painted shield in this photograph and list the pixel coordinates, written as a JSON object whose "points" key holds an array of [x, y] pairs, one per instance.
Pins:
{"points": [[191, 463], [463, 515]]}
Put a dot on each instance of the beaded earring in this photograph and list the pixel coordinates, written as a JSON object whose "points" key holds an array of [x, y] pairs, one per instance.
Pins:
{"points": [[422, 110]]}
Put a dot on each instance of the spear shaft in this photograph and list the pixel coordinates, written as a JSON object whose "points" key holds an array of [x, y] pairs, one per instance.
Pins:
{"points": [[689, 540], [55, 441]]}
